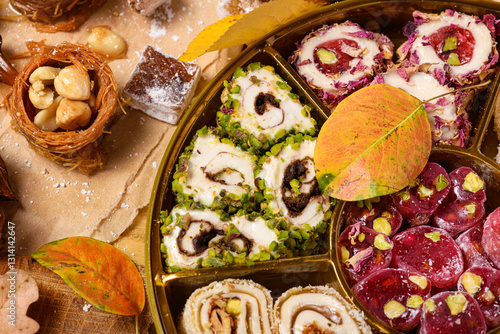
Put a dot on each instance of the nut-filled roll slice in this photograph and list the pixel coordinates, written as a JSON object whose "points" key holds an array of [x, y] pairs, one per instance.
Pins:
{"points": [[259, 108], [288, 180], [317, 309], [454, 47], [201, 238], [339, 59], [216, 173], [229, 306]]}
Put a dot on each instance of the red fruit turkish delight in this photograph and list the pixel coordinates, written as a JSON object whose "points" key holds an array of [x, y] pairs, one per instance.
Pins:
{"points": [[472, 249], [394, 296], [431, 252], [491, 237], [483, 283], [418, 202], [451, 312], [363, 251], [381, 216]]}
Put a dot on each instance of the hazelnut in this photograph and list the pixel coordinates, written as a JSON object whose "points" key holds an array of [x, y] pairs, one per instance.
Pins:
{"points": [[71, 115], [41, 99], [106, 41], [73, 84], [46, 119], [45, 74]]}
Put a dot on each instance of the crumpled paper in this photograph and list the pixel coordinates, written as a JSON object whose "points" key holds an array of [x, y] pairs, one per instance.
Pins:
{"points": [[55, 202]]}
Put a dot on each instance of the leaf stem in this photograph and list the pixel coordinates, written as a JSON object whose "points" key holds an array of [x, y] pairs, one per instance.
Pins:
{"points": [[457, 90], [136, 324]]}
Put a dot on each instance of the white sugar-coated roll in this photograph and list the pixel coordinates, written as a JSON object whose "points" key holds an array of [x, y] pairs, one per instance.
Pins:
{"points": [[317, 309], [231, 306], [194, 238], [216, 169], [262, 104], [290, 178]]}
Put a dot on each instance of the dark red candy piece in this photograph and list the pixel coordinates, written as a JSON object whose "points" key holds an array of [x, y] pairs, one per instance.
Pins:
{"points": [[460, 42], [363, 251], [418, 202], [469, 243], [394, 296], [491, 237], [483, 283], [431, 252], [466, 185], [381, 216], [451, 312], [337, 59], [458, 216]]}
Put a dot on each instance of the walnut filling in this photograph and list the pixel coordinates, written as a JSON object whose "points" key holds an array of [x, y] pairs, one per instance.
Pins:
{"points": [[195, 238], [264, 102], [297, 197]]}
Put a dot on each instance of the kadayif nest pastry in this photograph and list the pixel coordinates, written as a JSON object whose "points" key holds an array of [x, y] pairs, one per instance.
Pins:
{"points": [[229, 306], [317, 309]]}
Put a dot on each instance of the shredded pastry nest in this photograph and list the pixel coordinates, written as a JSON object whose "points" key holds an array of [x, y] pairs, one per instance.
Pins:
{"points": [[79, 148]]}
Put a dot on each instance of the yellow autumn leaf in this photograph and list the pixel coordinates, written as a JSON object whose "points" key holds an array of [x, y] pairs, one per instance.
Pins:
{"points": [[246, 28]]}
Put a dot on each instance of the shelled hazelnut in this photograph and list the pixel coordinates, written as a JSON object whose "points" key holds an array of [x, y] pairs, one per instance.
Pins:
{"points": [[62, 97]]}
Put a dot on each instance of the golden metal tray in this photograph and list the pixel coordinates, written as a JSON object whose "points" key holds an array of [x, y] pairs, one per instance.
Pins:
{"points": [[169, 292]]}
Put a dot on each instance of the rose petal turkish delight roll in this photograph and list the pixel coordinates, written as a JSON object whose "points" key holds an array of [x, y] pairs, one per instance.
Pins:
{"points": [[317, 309], [229, 306], [339, 59], [216, 173], [454, 47], [259, 108], [447, 115]]}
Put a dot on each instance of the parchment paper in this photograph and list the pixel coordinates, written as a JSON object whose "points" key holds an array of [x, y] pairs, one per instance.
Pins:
{"points": [[55, 202]]}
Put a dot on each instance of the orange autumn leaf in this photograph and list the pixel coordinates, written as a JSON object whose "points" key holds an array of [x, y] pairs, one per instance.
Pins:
{"points": [[97, 271], [375, 142], [246, 28]]}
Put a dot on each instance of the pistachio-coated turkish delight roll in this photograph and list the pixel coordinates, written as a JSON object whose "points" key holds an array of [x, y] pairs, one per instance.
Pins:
{"points": [[229, 306], [289, 183], [190, 235], [260, 109], [317, 309], [216, 173]]}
